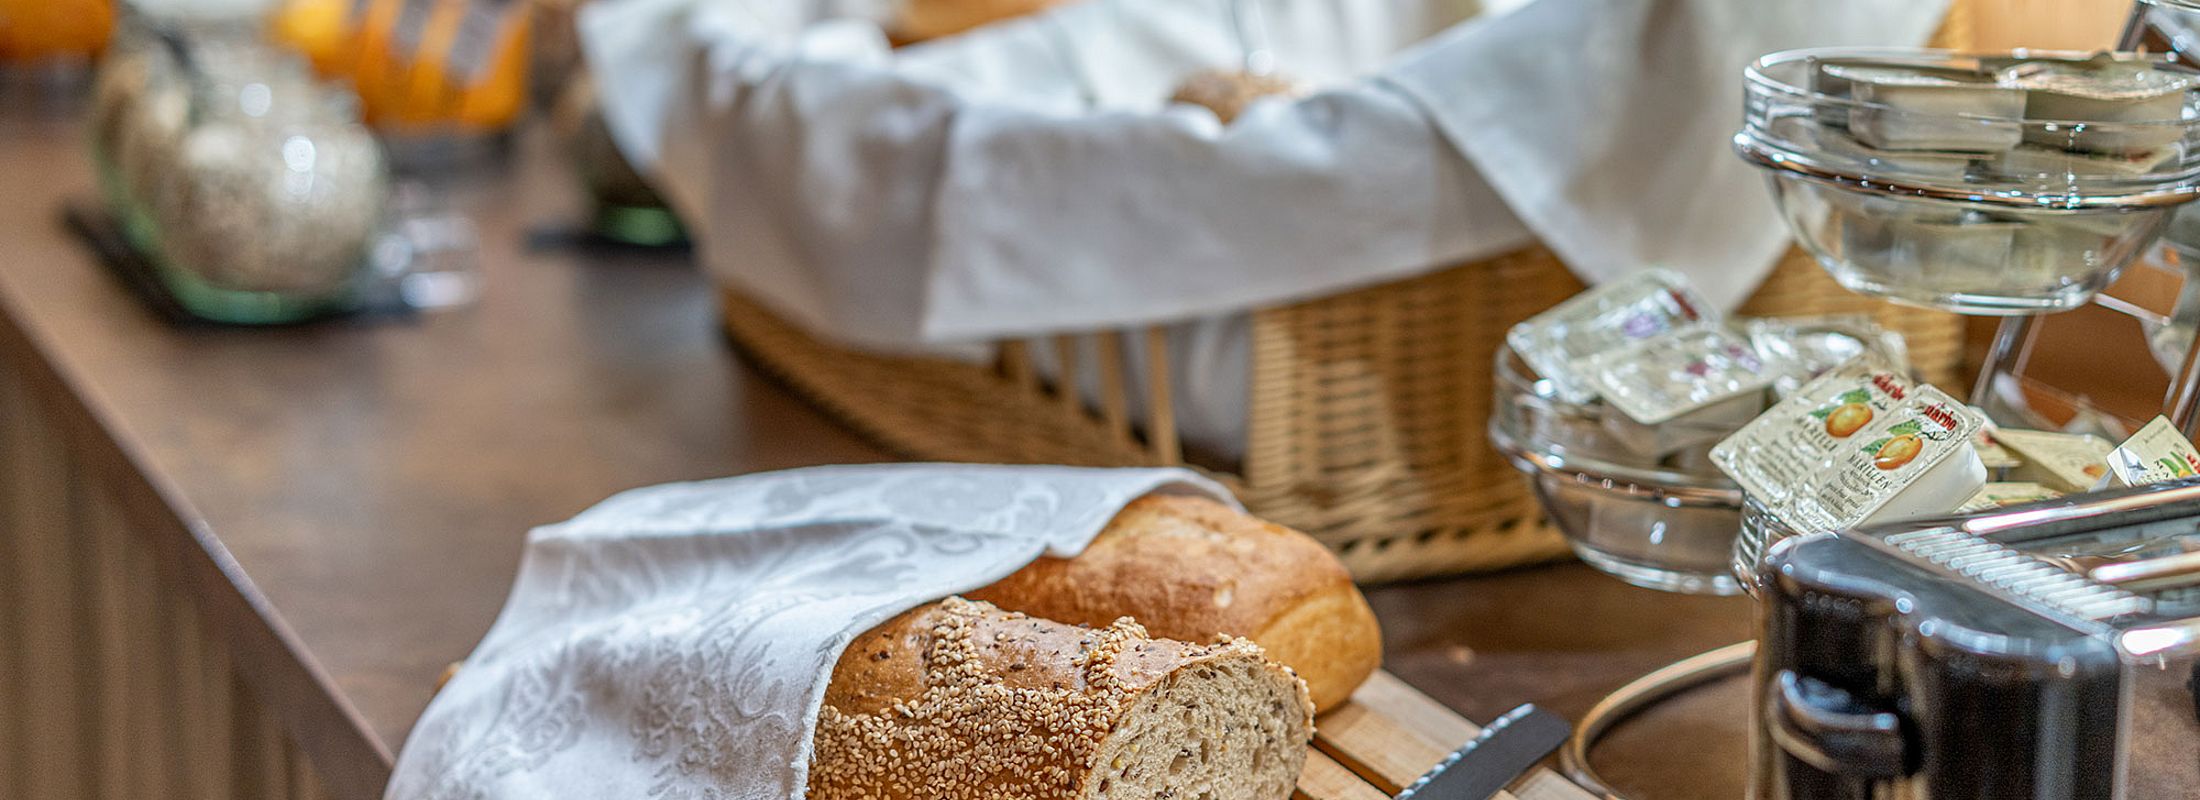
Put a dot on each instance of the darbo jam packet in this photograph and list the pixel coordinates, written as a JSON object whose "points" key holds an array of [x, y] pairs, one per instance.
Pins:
{"points": [[2158, 452], [1557, 343], [1788, 447], [1915, 461]]}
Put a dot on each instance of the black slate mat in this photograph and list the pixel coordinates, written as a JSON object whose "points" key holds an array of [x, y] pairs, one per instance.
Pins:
{"points": [[101, 233]]}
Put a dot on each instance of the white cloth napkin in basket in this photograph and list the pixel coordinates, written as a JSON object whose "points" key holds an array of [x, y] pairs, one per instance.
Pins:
{"points": [[1027, 178], [676, 641]]}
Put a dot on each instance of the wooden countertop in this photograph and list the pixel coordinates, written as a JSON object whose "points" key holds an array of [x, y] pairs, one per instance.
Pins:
{"points": [[364, 487]]}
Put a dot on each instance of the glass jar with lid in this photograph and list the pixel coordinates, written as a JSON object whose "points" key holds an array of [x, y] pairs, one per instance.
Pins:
{"points": [[134, 94], [139, 104], [133, 63], [266, 201]]}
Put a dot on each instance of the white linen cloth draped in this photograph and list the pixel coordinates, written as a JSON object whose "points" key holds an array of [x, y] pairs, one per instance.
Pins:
{"points": [[1026, 178], [675, 642]]}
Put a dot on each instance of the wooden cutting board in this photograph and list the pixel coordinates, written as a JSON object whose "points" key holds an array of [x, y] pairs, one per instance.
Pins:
{"points": [[1387, 736]]}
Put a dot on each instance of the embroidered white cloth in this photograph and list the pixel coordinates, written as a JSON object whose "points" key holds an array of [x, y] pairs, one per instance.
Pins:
{"points": [[675, 642], [1027, 177]]}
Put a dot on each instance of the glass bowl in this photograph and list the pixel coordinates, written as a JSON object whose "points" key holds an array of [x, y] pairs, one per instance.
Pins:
{"points": [[265, 201], [1960, 182], [1761, 529], [1661, 523]]}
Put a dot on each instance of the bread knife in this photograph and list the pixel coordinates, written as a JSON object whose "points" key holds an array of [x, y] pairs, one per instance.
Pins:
{"points": [[1505, 749]]}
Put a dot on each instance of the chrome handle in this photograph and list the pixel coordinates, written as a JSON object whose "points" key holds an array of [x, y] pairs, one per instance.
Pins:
{"points": [[1833, 732], [2174, 499]]}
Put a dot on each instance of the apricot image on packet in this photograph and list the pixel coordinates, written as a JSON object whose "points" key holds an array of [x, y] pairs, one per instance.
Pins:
{"points": [[1916, 461], [1788, 447]]}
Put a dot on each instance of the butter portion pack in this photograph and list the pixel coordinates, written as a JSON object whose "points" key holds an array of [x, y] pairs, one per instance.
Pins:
{"points": [[1558, 343], [2158, 452], [2064, 462]]}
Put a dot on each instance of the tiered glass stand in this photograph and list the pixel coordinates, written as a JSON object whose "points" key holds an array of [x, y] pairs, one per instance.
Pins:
{"points": [[2164, 28]]}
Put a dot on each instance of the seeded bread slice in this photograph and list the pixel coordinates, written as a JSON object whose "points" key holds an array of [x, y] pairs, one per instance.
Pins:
{"points": [[959, 700]]}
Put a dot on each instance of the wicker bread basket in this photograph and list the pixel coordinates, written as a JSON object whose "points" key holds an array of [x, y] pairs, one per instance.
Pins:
{"points": [[1367, 410], [1366, 425]]}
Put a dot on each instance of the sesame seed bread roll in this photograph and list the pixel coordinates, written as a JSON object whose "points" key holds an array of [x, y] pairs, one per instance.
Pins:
{"points": [[1191, 569], [959, 700]]}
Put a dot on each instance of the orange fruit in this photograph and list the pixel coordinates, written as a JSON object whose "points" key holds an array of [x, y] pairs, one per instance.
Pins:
{"points": [[1898, 451], [1847, 420]]}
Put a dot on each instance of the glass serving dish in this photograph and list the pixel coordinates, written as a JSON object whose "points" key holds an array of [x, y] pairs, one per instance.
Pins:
{"points": [[142, 97], [1981, 184], [1761, 529], [265, 197], [1661, 523]]}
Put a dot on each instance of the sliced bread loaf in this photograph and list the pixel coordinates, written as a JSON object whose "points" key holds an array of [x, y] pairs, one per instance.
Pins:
{"points": [[959, 700]]}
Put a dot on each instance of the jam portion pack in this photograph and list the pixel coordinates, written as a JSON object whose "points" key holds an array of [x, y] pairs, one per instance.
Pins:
{"points": [[2064, 462], [1687, 388], [1860, 444], [2158, 452], [1664, 377]]}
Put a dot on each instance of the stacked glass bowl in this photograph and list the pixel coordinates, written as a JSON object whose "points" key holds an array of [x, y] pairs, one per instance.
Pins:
{"points": [[2004, 184], [1666, 523], [1988, 184], [1999, 184]]}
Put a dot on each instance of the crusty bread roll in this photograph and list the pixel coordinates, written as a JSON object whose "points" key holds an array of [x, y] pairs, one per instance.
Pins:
{"points": [[1190, 569], [918, 20], [959, 700]]}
